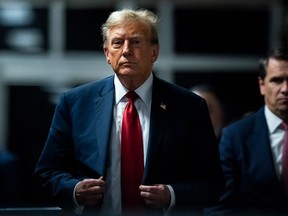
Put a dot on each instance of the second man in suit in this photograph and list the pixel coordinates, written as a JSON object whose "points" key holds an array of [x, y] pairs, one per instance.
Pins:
{"points": [[251, 148]]}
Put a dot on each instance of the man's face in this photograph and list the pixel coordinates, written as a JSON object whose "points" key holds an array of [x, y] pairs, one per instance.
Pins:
{"points": [[274, 87], [130, 52]]}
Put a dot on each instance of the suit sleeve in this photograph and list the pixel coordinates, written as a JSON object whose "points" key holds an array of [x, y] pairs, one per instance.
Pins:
{"points": [[53, 171]]}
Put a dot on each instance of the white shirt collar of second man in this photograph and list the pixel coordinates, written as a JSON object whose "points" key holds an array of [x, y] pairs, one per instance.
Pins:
{"points": [[273, 121]]}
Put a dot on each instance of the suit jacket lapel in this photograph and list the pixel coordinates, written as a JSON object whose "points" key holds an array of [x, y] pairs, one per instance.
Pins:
{"points": [[104, 113], [158, 123], [261, 148]]}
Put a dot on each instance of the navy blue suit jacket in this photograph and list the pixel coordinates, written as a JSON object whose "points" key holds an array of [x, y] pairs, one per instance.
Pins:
{"points": [[252, 186], [182, 149]]}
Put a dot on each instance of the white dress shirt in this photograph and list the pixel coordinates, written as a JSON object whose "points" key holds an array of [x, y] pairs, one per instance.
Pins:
{"points": [[276, 135]]}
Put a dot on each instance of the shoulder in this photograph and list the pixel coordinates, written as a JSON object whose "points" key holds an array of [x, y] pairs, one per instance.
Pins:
{"points": [[97, 85], [172, 90], [247, 124], [87, 92], [179, 100], [91, 88]]}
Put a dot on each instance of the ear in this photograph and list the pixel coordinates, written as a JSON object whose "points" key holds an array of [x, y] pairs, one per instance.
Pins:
{"points": [[155, 52], [106, 52], [261, 83]]}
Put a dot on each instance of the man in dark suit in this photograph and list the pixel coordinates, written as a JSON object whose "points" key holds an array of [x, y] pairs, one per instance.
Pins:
{"points": [[79, 168], [251, 148]]}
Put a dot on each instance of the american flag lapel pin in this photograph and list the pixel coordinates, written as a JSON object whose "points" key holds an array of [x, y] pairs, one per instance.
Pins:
{"points": [[163, 106]]}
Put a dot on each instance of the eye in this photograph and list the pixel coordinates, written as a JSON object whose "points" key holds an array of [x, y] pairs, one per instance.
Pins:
{"points": [[136, 41], [117, 43], [277, 80]]}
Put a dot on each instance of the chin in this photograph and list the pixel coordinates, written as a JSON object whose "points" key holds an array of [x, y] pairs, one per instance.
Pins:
{"points": [[128, 72]]}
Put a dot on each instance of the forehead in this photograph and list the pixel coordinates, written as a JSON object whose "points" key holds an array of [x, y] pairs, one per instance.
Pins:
{"points": [[129, 29], [277, 67]]}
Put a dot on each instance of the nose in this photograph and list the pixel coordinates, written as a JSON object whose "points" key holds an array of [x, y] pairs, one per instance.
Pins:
{"points": [[285, 86], [126, 48]]}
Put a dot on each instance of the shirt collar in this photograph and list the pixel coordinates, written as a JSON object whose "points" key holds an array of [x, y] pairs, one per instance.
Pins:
{"points": [[144, 91], [273, 121]]}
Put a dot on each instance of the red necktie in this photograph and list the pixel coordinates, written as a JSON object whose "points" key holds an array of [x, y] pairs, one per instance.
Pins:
{"points": [[132, 164], [285, 158]]}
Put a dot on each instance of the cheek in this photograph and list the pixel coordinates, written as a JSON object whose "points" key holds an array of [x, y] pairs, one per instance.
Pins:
{"points": [[270, 93], [111, 58]]}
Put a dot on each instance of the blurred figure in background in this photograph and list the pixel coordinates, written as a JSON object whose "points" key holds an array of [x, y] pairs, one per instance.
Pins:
{"points": [[252, 149], [215, 106]]}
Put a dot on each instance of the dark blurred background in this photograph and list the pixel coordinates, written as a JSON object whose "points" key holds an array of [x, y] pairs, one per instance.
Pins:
{"points": [[47, 47]]}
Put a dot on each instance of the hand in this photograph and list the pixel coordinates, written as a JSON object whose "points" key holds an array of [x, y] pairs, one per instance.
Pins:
{"points": [[89, 192], [156, 196]]}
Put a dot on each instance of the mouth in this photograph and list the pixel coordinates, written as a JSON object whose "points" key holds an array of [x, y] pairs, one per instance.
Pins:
{"points": [[126, 63], [284, 100]]}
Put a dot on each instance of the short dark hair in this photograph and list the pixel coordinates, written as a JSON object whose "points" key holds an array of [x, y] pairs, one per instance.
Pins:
{"points": [[277, 53]]}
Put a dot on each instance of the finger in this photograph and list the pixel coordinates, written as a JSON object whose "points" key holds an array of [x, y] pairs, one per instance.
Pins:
{"points": [[94, 182], [152, 188]]}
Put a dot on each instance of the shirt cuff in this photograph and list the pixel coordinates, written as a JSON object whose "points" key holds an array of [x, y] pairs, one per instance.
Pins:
{"points": [[78, 208], [172, 201]]}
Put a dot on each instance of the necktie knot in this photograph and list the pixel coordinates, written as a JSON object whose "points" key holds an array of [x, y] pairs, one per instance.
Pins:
{"points": [[284, 126], [132, 95]]}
